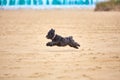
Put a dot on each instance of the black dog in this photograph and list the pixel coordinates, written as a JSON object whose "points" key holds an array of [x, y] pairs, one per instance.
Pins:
{"points": [[60, 41]]}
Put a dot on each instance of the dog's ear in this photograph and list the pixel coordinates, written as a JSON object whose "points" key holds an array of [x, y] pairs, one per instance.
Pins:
{"points": [[52, 30]]}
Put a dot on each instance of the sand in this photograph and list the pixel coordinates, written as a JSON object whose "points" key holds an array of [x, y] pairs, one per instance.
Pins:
{"points": [[25, 56]]}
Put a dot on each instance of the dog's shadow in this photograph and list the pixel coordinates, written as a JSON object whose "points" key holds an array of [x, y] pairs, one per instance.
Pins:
{"points": [[62, 50]]}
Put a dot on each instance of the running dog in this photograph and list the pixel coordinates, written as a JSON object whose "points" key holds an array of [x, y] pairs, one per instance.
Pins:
{"points": [[60, 41]]}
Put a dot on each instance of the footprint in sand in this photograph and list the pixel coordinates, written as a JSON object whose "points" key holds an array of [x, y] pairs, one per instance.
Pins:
{"points": [[41, 75], [82, 49], [95, 68], [7, 75], [98, 67], [16, 67], [89, 49], [19, 60], [94, 57], [115, 57], [64, 77], [86, 76]]}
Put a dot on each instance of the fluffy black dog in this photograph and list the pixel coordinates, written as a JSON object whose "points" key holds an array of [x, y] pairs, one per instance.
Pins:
{"points": [[60, 41]]}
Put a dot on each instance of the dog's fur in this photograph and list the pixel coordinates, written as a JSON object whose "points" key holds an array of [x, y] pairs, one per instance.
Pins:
{"points": [[60, 41]]}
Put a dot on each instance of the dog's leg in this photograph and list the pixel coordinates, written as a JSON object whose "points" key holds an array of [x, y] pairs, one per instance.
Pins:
{"points": [[51, 43], [74, 46], [73, 42]]}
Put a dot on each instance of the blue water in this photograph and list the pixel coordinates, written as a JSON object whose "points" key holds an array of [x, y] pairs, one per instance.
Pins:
{"points": [[41, 4]]}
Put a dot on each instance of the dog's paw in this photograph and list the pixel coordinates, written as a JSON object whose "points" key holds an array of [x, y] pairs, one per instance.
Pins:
{"points": [[76, 47], [49, 44]]}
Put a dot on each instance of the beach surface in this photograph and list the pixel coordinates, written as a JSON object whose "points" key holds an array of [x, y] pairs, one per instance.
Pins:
{"points": [[25, 56]]}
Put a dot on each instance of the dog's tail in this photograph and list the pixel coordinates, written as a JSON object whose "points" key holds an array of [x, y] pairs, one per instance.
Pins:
{"points": [[71, 37]]}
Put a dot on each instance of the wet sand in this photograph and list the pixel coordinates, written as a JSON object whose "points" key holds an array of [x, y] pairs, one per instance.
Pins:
{"points": [[25, 56]]}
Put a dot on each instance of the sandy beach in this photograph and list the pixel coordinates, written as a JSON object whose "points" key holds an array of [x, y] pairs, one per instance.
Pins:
{"points": [[25, 56]]}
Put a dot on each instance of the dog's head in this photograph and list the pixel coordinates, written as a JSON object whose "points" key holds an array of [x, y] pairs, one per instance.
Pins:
{"points": [[50, 34]]}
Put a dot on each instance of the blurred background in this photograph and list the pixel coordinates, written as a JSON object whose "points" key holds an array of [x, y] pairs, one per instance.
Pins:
{"points": [[41, 4]]}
